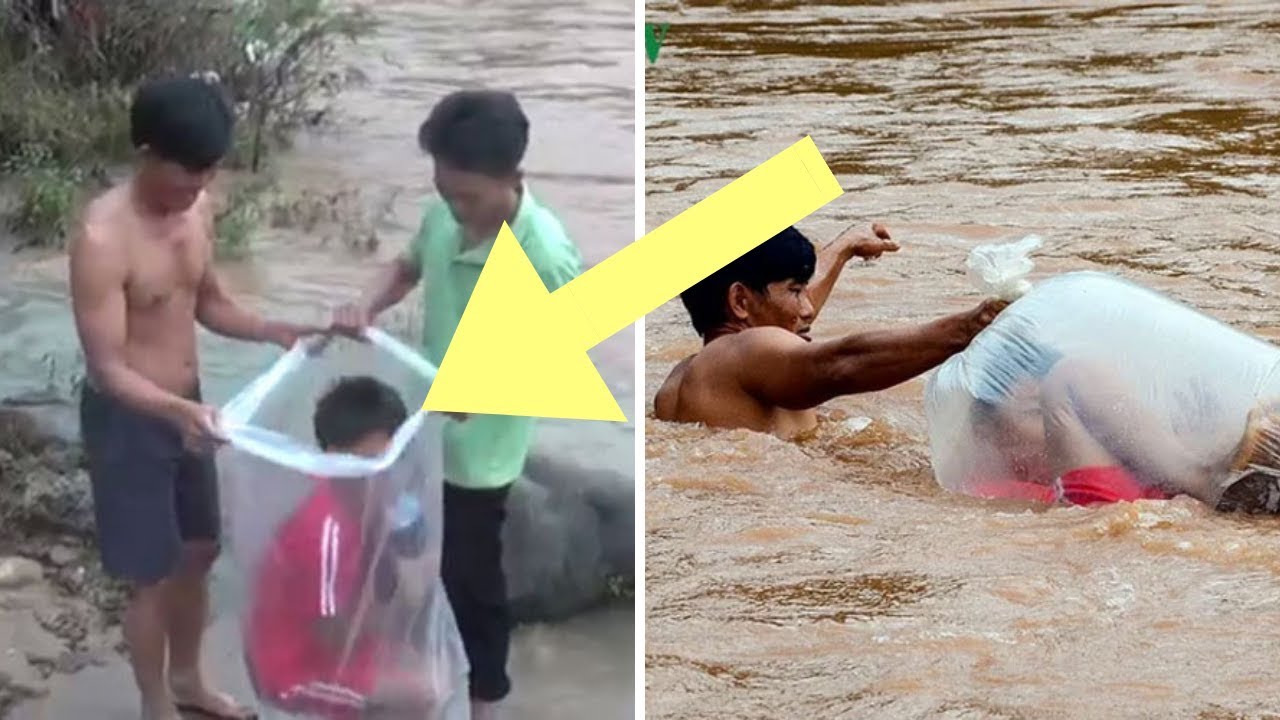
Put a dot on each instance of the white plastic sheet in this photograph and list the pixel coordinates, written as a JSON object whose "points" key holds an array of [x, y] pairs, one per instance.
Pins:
{"points": [[1180, 401], [335, 629]]}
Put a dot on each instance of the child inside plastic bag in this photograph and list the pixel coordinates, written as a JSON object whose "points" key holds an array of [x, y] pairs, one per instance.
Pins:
{"points": [[1090, 389], [315, 647], [1062, 427]]}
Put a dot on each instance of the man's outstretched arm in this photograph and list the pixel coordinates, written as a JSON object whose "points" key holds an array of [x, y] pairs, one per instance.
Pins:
{"points": [[783, 370]]}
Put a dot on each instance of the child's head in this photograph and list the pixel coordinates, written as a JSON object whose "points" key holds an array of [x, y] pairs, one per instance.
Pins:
{"points": [[1007, 416], [477, 140], [358, 416]]}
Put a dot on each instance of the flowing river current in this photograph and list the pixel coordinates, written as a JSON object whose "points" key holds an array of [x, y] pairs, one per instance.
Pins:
{"points": [[831, 577]]}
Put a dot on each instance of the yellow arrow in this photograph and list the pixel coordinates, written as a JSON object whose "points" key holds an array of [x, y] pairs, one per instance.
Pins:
{"points": [[520, 350]]}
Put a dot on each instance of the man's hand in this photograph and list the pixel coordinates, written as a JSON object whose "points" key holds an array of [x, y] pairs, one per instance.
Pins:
{"points": [[351, 320], [983, 315], [198, 425], [286, 335], [868, 246]]}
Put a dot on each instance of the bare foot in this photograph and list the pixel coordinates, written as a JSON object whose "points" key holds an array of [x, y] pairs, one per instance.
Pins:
{"points": [[481, 710], [198, 698], [162, 709]]}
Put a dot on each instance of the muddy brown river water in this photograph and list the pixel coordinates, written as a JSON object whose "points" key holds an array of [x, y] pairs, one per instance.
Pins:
{"points": [[571, 62], [832, 578]]}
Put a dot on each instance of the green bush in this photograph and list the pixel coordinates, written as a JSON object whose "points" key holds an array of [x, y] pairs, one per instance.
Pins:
{"points": [[241, 214], [47, 194], [72, 82]]}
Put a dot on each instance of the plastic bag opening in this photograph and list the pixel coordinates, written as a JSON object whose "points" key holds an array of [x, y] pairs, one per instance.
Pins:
{"points": [[1001, 271], [342, 611]]}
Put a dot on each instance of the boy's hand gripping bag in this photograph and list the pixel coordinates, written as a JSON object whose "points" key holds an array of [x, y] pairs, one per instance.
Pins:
{"points": [[1091, 387], [342, 609]]}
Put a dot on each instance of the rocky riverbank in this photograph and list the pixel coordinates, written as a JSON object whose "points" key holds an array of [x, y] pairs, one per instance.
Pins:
{"points": [[57, 609]]}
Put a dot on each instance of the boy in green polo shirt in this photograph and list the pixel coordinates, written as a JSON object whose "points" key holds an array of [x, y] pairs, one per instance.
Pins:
{"points": [[477, 141]]}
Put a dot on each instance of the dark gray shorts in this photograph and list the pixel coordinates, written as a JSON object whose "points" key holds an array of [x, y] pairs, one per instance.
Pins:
{"points": [[149, 494]]}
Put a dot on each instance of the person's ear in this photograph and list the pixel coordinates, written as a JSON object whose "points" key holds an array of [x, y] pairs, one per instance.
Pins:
{"points": [[740, 300]]}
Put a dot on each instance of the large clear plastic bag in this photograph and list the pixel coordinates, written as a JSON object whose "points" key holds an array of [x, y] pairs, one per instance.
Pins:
{"points": [[1088, 370], [342, 608]]}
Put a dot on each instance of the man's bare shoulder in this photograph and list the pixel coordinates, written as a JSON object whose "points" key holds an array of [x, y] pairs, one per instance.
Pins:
{"points": [[721, 362], [730, 351], [754, 341], [204, 209]]}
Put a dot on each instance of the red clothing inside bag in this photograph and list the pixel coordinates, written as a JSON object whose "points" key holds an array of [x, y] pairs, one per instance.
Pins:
{"points": [[1083, 486]]}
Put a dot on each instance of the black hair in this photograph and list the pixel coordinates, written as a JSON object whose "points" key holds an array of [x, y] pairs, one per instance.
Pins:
{"points": [[784, 257], [1011, 359], [353, 408], [183, 120], [480, 131]]}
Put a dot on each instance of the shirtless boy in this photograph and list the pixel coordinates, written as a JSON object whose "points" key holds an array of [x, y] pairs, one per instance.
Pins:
{"points": [[758, 369], [141, 277]]}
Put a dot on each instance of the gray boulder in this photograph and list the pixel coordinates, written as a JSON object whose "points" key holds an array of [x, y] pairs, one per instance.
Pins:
{"points": [[569, 538]]}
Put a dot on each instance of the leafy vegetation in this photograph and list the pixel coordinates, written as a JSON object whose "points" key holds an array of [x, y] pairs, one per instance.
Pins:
{"points": [[73, 75]]}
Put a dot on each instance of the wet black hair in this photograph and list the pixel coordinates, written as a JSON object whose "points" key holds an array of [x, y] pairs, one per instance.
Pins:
{"points": [[354, 407], [784, 257], [184, 120], [1013, 358], [479, 131]]}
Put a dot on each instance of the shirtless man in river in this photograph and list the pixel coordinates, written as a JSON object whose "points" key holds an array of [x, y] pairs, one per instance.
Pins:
{"points": [[758, 368], [141, 277]]}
